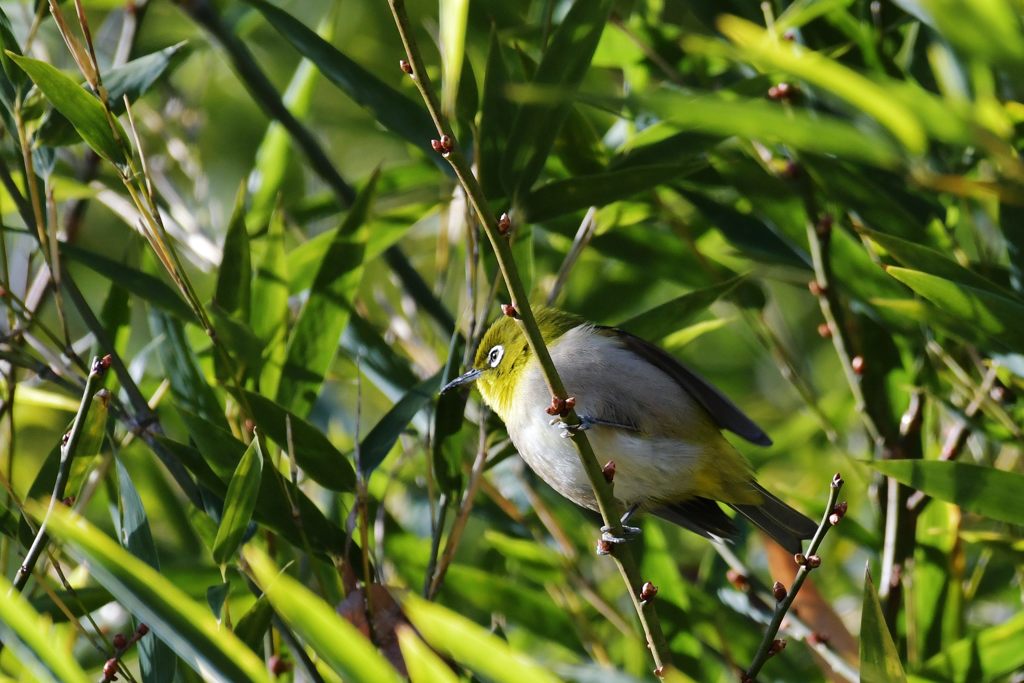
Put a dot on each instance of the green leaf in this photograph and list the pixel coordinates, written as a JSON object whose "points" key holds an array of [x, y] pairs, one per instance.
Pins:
{"points": [[377, 444], [239, 502], [313, 451], [497, 115], [233, 293], [340, 644], [452, 17], [988, 655], [879, 660], [666, 318], [253, 625], [770, 53], [423, 663], [560, 197], [990, 313], [15, 82], [188, 384], [31, 638], [975, 488], [187, 627], [755, 237], [156, 660], [914, 255], [133, 79], [80, 108], [387, 106], [562, 68], [767, 122], [79, 602], [314, 339], [149, 287], [475, 647]]}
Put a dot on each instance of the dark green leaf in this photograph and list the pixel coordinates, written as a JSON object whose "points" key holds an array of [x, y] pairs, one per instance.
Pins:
{"points": [[567, 196], [188, 384], [239, 502], [999, 316], [233, 292], [386, 105], [385, 433], [80, 602], [156, 660], [314, 339], [184, 625], [133, 79], [82, 109], [313, 451], [666, 318], [562, 67], [253, 625], [496, 117], [989, 655], [149, 287], [755, 238], [975, 488], [879, 660]]}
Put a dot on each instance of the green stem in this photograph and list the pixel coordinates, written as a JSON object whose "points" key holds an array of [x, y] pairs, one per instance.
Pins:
{"points": [[93, 383], [607, 505]]}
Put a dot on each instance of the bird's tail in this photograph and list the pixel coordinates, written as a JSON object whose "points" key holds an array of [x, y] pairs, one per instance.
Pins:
{"points": [[784, 524]]}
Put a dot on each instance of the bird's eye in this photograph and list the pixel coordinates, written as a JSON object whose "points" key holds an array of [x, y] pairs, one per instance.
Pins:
{"points": [[494, 355]]}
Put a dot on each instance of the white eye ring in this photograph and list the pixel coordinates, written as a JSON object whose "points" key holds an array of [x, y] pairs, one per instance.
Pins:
{"points": [[495, 355]]}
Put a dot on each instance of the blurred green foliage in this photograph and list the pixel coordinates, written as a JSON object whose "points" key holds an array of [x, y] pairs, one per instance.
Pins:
{"points": [[273, 482]]}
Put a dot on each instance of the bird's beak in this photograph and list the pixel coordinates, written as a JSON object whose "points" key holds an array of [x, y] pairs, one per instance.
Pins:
{"points": [[462, 379]]}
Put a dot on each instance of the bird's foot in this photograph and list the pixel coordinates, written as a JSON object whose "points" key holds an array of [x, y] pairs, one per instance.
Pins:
{"points": [[628, 534], [567, 430]]}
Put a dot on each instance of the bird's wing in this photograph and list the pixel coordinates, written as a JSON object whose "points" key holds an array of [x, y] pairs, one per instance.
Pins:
{"points": [[723, 411]]}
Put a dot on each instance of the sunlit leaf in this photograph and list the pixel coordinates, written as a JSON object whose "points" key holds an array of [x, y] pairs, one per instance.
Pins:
{"points": [[879, 660], [239, 502]]}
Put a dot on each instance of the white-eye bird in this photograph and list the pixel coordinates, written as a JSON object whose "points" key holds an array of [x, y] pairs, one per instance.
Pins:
{"points": [[655, 418]]}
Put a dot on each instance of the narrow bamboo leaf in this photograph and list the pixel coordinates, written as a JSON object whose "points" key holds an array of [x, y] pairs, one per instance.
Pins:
{"points": [[80, 108], [340, 644], [497, 115], [986, 31], [879, 660], [560, 197], [233, 293], [975, 488], [446, 446], [275, 156], [475, 647], [313, 451], [666, 318], [269, 315], [914, 255], [171, 615], [990, 654], [377, 444], [245, 349], [388, 371], [991, 313], [156, 660], [150, 288], [273, 506], [253, 625], [423, 663], [215, 597], [80, 602], [133, 79], [314, 339], [387, 106], [239, 502], [755, 237], [188, 384], [30, 637], [452, 15], [15, 83], [767, 122], [757, 46], [562, 67]]}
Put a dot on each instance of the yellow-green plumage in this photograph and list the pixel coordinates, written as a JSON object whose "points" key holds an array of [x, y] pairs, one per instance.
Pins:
{"points": [[657, 420]]}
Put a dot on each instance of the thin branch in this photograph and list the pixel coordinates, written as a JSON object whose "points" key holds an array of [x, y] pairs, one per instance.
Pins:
{"points": [[583, 235], [606, 503], [769, 645], [67, 454]]}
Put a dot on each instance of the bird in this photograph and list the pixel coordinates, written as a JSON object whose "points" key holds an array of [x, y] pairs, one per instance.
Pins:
{"points": [[659, 422]]}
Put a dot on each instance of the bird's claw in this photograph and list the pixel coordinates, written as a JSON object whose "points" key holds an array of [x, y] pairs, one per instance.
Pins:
{"points": [[628, 534], [568, 430]]}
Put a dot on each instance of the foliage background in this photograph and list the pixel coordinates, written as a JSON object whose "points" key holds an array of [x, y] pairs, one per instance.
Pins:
{"points": [[886, 169]]}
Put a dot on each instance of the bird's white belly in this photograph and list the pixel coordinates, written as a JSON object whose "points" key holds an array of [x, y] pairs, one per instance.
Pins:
{"points": [[649, 467]]}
